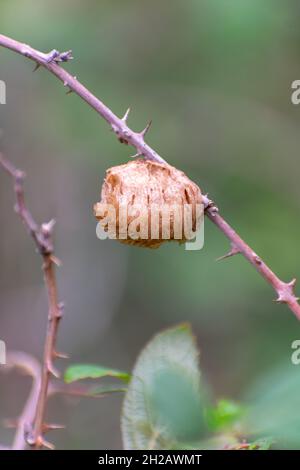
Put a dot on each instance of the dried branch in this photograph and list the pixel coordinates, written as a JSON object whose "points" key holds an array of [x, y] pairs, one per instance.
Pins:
{"points": [[42, 236], [50, 61]]}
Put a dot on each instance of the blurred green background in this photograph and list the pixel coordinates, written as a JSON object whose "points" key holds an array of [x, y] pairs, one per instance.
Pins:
{"points": [[215, 76]]}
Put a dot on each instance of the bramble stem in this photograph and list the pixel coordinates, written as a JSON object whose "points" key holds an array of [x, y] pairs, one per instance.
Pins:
{"points": [[284, 290], [119, 126], [125, 135], [42, 236]]}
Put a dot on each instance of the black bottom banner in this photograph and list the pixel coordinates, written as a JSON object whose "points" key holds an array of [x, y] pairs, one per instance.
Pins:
{"points": [[131, 459]]}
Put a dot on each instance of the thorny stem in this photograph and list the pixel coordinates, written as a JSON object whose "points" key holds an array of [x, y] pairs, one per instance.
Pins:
{"points": [[55, 314], [284, 290], [31, 367], [50, 61], [42, 236]]}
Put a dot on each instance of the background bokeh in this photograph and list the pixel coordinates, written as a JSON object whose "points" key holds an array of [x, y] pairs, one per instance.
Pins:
{"points": [[215, 76]]}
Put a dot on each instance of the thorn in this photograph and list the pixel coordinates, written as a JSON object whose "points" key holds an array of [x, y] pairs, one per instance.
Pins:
{"points": [[47, 228], [52, 370], [65, 56], [37, 66], [233, 251], [69, 92], [257, 260], [10, 423], [125, 117], [136, 155], [144, 132], [52, 427], [292, 283], [60, 355], [286, 293], [281, 299], [56, 261], [41, 442]]}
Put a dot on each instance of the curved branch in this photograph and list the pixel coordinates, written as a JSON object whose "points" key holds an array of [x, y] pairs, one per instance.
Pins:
{"points": [[284, 290], [30, 366], [50, 61], [42, 236]]}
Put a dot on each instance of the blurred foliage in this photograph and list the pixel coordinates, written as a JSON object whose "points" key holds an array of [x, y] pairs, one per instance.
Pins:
{"points": [[165, 403], [91, 371], [215, 76], [169, 406], [225, 414], [274, 402]]}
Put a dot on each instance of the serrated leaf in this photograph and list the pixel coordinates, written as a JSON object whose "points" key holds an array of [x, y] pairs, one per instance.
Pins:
{"points": [[165, 402], [90, 371]]}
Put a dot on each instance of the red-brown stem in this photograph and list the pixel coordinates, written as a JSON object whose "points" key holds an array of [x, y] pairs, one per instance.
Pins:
{"points": [[49, 351], [119, 126], [51, 62], [42, 236], [284, 290], [30, 366]]}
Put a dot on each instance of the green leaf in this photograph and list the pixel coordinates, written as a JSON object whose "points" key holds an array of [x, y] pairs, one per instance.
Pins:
{"points": [[105, 390], [90, 371], [165, 402], [273, 404], [224, 415]]}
